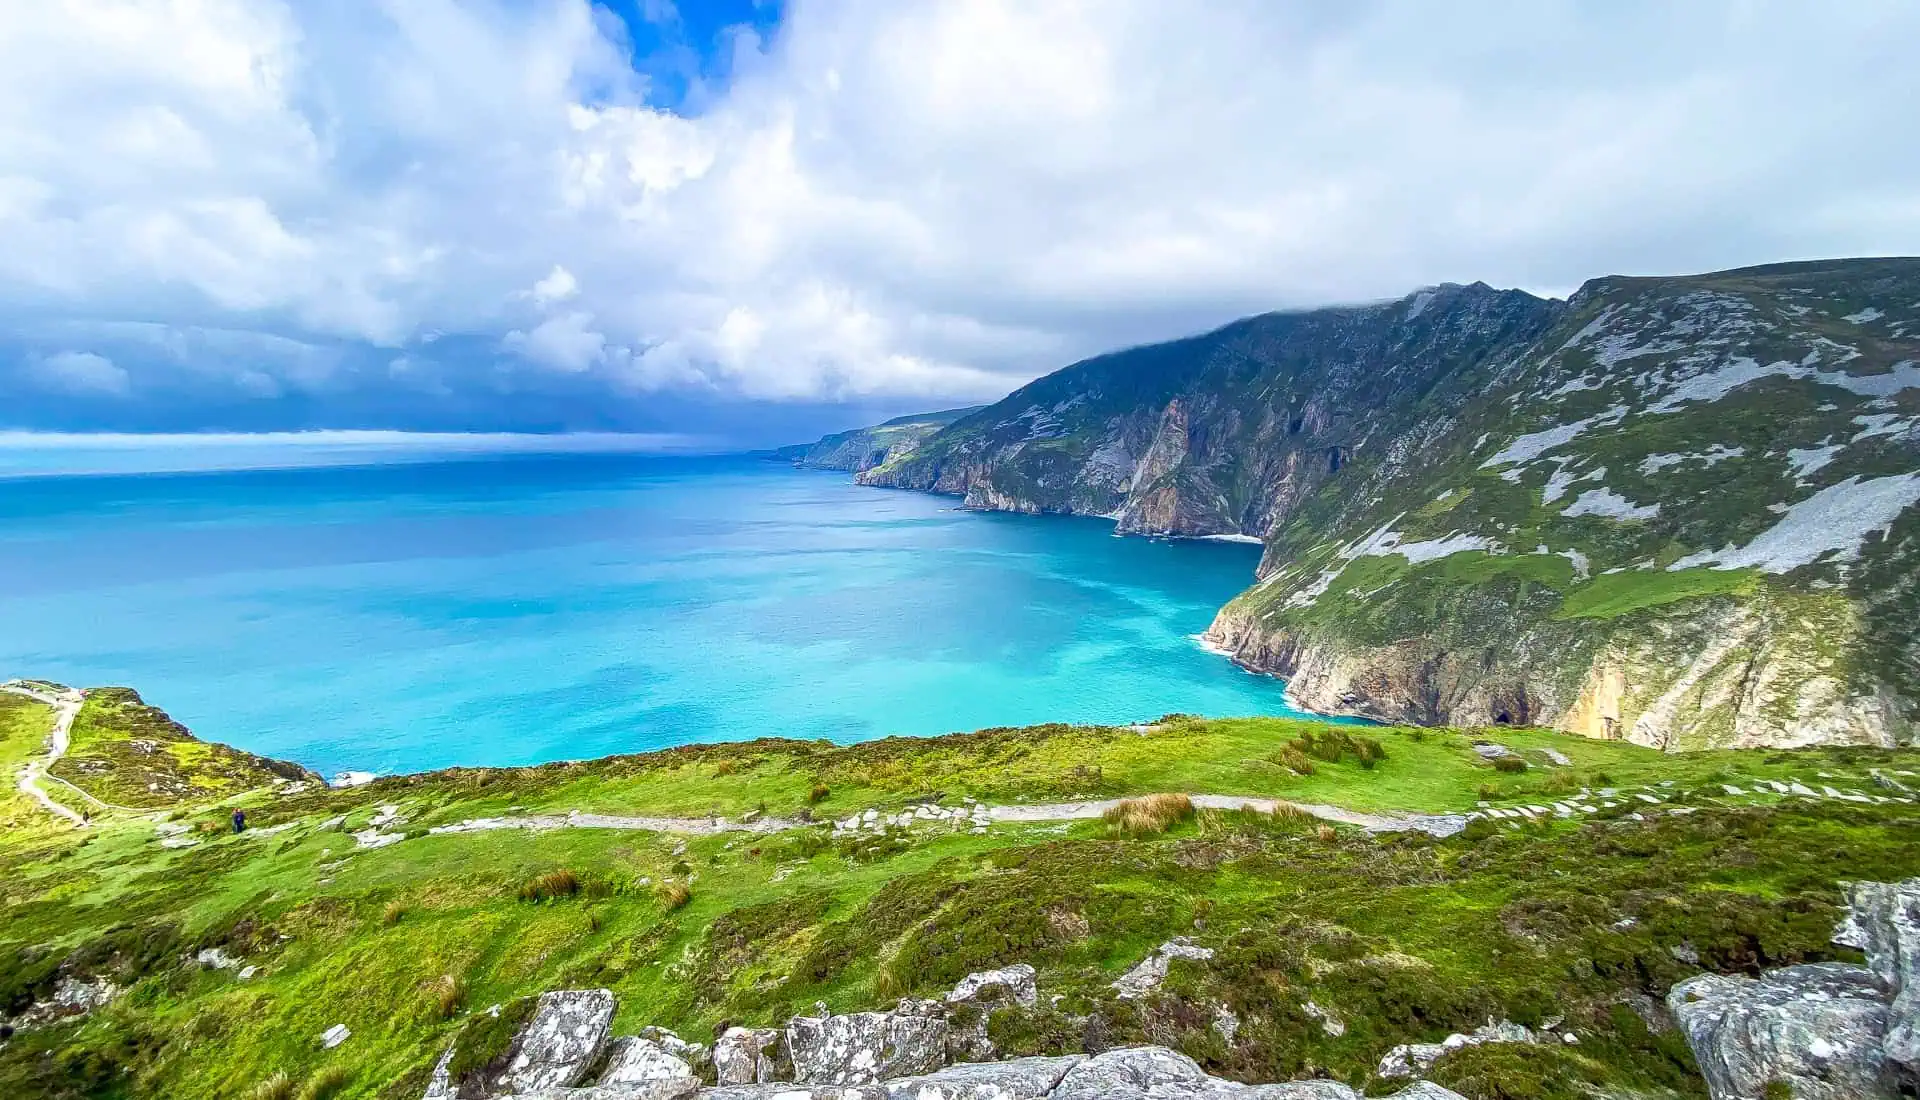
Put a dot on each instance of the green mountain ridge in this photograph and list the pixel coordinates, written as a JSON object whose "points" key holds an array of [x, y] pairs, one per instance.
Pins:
{"points": [[1672, 510], [864, 448]]}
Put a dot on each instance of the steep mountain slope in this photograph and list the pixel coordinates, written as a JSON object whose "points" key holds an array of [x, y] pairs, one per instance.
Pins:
{"points": [[1224, 433], [1684, 518], [864, 448], [1678, 511]]}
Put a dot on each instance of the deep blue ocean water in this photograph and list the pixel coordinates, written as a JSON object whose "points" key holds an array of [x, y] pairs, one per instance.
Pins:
{"points": [[515, 609]]}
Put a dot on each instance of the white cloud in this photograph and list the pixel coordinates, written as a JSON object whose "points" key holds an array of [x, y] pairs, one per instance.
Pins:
{"points": [[81, 372], [558, 286], [564, 343], [912, 199]]}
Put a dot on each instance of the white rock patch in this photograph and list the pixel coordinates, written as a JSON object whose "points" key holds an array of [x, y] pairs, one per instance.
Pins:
{"points": [[1834, 520], [1605, 502], [1804, 462], [1534, 444], [1653, 464]]}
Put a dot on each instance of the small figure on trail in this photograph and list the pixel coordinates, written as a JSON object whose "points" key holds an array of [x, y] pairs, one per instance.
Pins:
{"points": [[239, 820]]}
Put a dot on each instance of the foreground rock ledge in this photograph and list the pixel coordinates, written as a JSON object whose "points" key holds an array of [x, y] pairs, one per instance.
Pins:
{"points": [[898, 1055], [1825, 1031]]}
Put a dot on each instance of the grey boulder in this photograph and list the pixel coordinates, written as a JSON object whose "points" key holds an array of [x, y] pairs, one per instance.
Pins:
{"points": [[1014, 1079], [1425, 1090], [1883, 920], [1147, 975], [632, 1059], [560, 1043], [666, 1088], [862, 1047], [1018, 981], [747, 1056], [1412, 1059], [795, 1092], [1156, 1073], [1816, 1028]]}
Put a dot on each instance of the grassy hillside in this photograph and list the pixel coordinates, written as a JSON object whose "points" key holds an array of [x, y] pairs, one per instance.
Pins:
{"points": [[1400, 936], [865, 448], [130, 754]]}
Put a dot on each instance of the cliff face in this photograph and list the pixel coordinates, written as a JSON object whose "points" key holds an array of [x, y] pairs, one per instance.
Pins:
{"points": [[1685, 517], [1679, 511], [865, 448], [1224, 433]]}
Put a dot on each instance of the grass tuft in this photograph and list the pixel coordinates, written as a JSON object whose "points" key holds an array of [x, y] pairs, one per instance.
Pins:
{"points": [[277, 1087], [674, 894], [446, 995], [1153, 814], [328, 1082], [550, 886]]}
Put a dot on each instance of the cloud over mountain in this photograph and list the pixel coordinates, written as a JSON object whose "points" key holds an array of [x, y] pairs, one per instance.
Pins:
{"points": [[241, 213]]}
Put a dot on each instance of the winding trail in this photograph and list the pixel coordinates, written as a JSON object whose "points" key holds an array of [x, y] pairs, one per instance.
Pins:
{"points": [[66, 706], [976, 815]]}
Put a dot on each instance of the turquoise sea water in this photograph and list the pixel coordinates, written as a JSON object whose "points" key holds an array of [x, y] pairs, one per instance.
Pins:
{"points": [[523, 608]]}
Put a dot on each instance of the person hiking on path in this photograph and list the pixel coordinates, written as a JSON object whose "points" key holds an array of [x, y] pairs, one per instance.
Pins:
{"points": [[239, 820]]}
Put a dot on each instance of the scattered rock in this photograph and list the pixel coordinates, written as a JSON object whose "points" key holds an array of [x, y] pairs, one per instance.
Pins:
{"points": [[247, 973], [213, 958], [1412, 1059], [334, 1036], [1225, 1023], [1329, 1023], [862, 1047], [1151, 971], [72, 997], [1487, 750], [440, 1082], [1018, 980]]}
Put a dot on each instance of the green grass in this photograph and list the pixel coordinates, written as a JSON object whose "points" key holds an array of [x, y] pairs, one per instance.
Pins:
{"points": [[24, 726], [1404, 937], [131, 754], [1612, 595]]}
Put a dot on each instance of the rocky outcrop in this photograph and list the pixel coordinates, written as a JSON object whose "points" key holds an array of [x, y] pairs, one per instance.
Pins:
{"points": [[558, 1044], [862, 1047], [1883, 920], [897, 1055], [73, 997], [1156, 1073], [1817, 1028], [1825, 1030], [1146, 975], [632, 1059], [1413, 1059], [1016, 983], [749, 1056]]}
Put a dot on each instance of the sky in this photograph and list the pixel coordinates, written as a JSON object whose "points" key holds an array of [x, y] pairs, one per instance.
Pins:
{"points": [[755, 222]]}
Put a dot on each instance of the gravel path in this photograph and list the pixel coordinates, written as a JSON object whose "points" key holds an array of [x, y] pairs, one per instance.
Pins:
{"points": [[976, 815], [66, 705]]}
